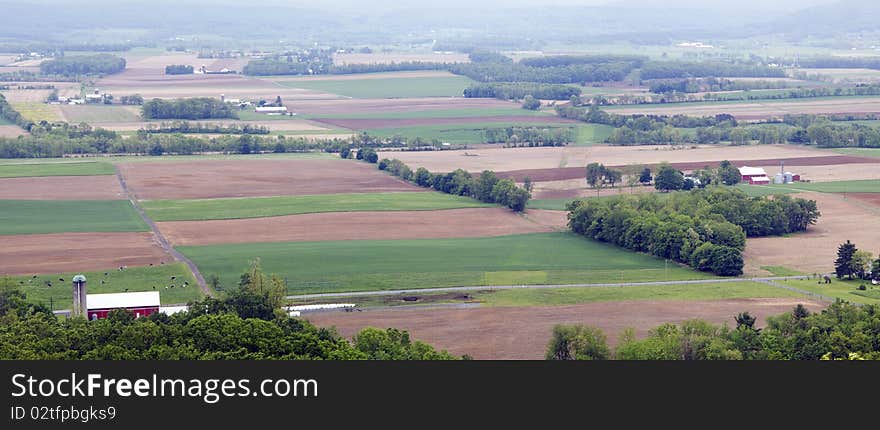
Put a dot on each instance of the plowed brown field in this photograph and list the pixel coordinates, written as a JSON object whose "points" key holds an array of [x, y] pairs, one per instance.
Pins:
{"points": [[67, 252], [252, 178], [104, 187], [518, 333], [470, 222]]}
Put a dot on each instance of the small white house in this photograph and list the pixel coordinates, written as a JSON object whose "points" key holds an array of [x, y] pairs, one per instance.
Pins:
{"points": [[271, 109]]}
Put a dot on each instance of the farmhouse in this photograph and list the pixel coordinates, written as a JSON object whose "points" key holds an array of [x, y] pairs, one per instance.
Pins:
{"points": [[754, 175], [140, 304]]}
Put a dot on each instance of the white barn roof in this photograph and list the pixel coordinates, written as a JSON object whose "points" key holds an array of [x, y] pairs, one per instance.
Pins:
{"points": [[123, 300], [752, 171]]}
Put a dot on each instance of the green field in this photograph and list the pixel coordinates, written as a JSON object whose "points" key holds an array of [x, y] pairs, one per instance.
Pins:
{"points": [[131, 279], [99, 113], [334, 266], [570, 296], [845, 290], [513, 110], [4, 121], [68, 216], [403, 87], [178, 210], [78, 168], [860, 186], [549, 204], [36, 111], [589, 134], [474, 132], [864, 152]]}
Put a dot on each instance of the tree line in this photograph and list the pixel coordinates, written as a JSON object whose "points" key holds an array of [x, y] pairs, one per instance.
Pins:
{"points": [[179, 69], [530, 136], [826, 131], [842, 331], [188, 108], [99, 64], [718, 69], [201, 127], [486, 187], [516, 91], [701, 85], [704, 228], [247, 323]]}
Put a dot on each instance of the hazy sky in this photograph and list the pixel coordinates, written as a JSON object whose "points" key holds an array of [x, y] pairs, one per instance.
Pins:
{"points": [[370, 5]]}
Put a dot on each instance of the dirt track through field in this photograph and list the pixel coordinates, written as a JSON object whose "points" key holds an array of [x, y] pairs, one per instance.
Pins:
{"points": [[103, 187], [451, 223], [66, 252], [252, 178], [507, 333]]}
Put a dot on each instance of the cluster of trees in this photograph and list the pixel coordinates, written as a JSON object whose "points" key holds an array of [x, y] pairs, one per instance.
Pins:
{"points": [[366, 154], [134, 99], [245, 324], [99, 64], [701, 85], [843, 331], [487, 187], [12, 115], [403, 66], [179, 69], [282, 66], [704, 228], [201, 127], [854, 263], [530, 136], [723, 69], [517, 91], [188, 108], [567, 74]]}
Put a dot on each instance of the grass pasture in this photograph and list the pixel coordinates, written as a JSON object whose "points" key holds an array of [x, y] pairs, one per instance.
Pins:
{"points": [[858, 186], [865, 152], [386, 88], [68, 216], [205, 209], [844, 290], [83, 168], [99, 113], [132, 279], [585, 134], [336, 266], [571, 296], [37, 111]]}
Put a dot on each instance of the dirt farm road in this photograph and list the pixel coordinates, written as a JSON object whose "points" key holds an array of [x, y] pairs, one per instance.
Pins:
{"points": [[765, 280], [163, 242]]}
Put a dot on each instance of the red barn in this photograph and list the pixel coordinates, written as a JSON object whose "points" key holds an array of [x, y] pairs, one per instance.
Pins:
{"points": [[140, 304], [754, 175]]}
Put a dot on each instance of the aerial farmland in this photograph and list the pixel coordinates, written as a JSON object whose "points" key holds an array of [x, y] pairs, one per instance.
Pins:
{"points": [[439, 188]]}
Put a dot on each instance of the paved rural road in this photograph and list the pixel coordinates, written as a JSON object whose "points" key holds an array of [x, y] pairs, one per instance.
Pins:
{"points": [[768, 281], [163, 242]]}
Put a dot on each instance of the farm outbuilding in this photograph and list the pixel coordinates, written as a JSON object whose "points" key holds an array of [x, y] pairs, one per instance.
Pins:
{"points": [[754, 175], [141, 304]]}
